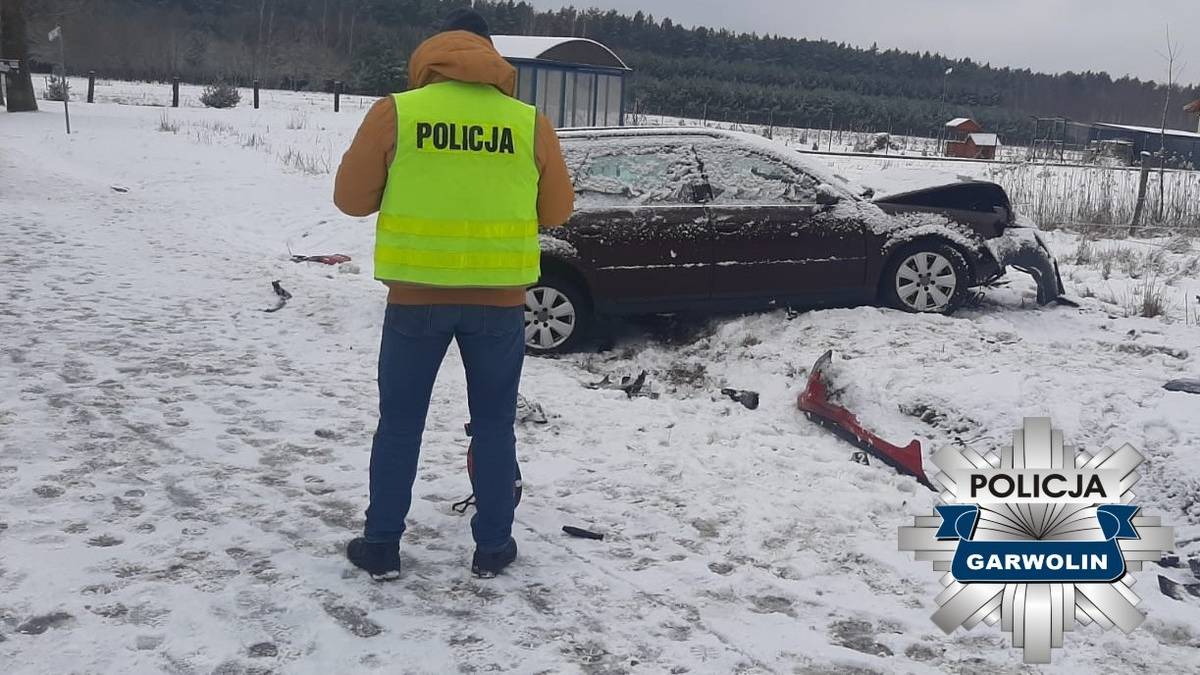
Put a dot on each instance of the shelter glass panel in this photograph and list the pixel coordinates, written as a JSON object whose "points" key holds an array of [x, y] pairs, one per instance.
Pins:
{"points": [[525, 84], [569, 99], [614, 100], [585, 89], [602, 102], [551, 96]]}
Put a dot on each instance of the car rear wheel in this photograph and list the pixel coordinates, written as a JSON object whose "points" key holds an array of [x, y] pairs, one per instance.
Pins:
{"points": [[928, 277], [557, 315]]}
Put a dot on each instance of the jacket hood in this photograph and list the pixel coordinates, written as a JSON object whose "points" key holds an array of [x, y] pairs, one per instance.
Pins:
{"points": [[463, 56]]}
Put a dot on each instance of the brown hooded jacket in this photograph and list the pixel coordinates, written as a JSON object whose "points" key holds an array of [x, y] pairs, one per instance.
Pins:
{"points": [[363, 174]]}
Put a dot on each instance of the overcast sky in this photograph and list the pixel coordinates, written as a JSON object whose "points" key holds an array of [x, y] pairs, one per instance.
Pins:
{"points": [[1117, 36]]}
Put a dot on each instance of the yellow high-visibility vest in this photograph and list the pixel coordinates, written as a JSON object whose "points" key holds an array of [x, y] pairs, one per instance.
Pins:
{"points": [[460, 206]]}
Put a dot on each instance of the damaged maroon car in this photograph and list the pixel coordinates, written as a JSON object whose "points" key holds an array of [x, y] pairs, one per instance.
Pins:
{"points": [[674, 220]]}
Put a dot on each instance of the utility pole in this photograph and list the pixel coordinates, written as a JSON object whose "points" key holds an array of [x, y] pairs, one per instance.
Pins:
{"points": [[57, 34], [942, 110]]}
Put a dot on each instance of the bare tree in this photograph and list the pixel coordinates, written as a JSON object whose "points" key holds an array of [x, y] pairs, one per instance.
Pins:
{"points": [[1173, 72], [13, 46]]}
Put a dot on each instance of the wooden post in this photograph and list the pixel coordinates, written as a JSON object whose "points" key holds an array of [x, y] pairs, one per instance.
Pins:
{"points": [[66, 86], [256, 94], [91, 86], [1143, 179], [337, 95], [175, 92]]}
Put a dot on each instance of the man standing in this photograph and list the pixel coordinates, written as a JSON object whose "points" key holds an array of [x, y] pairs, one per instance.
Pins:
{"points": [[461, 174]]}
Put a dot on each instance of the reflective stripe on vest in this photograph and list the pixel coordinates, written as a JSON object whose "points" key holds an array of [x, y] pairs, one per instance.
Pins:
{"points": [[460, 206]]}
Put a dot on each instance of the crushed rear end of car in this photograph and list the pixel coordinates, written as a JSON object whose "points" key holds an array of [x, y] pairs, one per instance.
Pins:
{"points": [[1021, 246]]}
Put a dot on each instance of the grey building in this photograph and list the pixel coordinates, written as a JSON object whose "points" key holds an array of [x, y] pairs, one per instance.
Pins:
{"points": [[1055, 136], [1182, 145], [576, 82]]}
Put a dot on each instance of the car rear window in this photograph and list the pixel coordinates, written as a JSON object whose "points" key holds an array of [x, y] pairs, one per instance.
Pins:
{"points": [[615, 172]]}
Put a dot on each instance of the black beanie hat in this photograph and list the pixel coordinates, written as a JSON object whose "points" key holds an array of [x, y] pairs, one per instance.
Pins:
{"points": [[468, 20]]}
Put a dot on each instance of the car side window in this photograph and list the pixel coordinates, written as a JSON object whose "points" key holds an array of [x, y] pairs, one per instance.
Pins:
{"points": [[624, 173], [744, 176]]}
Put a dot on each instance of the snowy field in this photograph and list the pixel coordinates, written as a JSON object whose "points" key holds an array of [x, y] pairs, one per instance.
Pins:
{"points": [[1103, 197], [179, 470]]}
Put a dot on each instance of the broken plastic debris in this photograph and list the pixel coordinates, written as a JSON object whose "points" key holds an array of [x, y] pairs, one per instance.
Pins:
{"points": [[335, 259], [744, 396], [284, 296], [530, 411], [632, 386], [582, 533], [1186, 385]]}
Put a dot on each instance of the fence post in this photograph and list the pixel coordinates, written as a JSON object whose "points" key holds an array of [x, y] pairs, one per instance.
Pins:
{"points": [[1143, 179], [175, 92], [337, 95], [256, 94], [91, 86]]}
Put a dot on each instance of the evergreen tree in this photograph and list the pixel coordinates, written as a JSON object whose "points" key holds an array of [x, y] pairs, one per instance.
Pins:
{"points": [[678, 71]]}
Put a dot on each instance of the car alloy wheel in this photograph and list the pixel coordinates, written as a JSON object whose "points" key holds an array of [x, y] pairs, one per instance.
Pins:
{"points": [[926, 282], [550, 318]]}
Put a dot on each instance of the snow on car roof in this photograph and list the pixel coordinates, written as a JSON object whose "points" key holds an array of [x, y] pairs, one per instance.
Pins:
{"points": [[816, 169]]}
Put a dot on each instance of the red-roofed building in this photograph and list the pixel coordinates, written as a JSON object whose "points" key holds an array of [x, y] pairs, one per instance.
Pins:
{"points": [[965, 138]]}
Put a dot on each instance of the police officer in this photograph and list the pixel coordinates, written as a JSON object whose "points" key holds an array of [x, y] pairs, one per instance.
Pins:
{"points": [[461, 175]]}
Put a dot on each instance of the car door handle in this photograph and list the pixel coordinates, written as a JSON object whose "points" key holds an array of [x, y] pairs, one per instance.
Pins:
{"points": [[588, 230]]}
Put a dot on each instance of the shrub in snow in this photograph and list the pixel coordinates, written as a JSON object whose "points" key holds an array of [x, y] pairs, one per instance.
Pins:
{"points": [[220, 95], [1179, 244], [875, 143], [298, 120], [1147, 300], [1085, 253], [314, 164], [57, 89], [166, 125]]}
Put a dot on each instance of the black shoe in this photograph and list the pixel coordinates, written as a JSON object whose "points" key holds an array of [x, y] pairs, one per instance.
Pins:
{"points": [[382, 561], [488, 565]]}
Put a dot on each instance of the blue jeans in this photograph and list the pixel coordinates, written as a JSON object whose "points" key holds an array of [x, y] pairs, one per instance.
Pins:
{"points": [[415, 338]]}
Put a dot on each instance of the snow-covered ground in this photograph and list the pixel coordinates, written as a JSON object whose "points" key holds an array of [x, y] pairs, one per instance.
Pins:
{"points": [[180, 470]]}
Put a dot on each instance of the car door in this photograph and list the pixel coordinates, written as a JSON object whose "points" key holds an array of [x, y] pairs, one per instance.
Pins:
{"points": [[779, 237], [638, 228]]}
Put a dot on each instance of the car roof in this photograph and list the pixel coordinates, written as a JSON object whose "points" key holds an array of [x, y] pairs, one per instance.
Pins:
{"points": [[608, 132], [783, 152]]}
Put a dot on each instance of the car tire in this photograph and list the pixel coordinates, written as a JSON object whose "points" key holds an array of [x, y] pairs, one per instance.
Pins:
{"points": [[558, 315], [926, 277]]}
